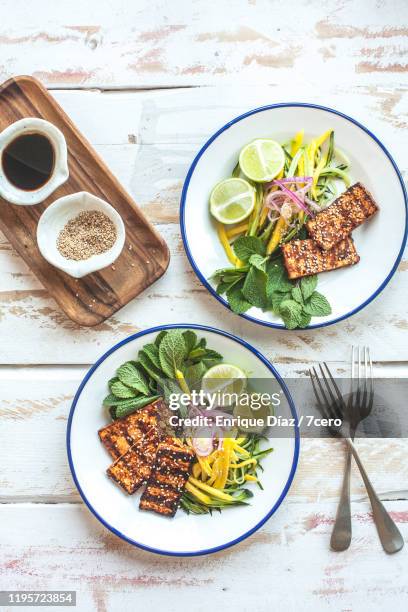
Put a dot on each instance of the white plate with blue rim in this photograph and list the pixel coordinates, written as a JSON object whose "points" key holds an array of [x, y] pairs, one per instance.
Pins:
{"points": [[380, 242], [185, 534]]}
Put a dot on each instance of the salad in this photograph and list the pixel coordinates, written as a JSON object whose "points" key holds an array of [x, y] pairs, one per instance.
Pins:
{"points": [[274, 189], [216, 465]]}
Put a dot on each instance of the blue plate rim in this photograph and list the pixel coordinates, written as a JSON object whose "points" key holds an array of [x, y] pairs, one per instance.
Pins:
{"points": [[274, 372], [259, 109]]}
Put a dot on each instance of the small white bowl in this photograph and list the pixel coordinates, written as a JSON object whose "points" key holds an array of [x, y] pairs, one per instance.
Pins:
{"points": [[60, 173], [54, 219]]}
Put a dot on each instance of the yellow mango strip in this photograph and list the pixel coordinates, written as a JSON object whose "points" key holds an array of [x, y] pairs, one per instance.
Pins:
{"points": [[280, 175], [214, 492], [297, 142], [263, 216], [237, 229], [301, 166], [311, 153], [250, 478], [222, 235], [319, 141], [202, 497], [239, 441], [196, 470], [205, 468], [240, 450], [216, 470], [182, 382], [243, 463], [276, 236], [223, 475]]}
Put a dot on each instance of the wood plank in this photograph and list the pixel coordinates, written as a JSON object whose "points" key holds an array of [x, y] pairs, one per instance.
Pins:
{"points": [[64, 547], [34, 407], [144, 45], [92, 299]]}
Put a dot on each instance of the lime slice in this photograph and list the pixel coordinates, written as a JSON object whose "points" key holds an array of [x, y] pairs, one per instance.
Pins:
{"points": [[262, 159], [248, 408], [232, 200], [227, 381]]}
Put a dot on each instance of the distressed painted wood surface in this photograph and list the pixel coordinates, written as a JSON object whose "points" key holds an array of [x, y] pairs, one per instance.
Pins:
{"points": [[286, 564], [149, 139], [157, 43], [166, 102]]}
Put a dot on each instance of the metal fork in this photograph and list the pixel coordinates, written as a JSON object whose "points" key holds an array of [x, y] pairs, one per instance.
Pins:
{"points": [[332, 406], [359, 406]]}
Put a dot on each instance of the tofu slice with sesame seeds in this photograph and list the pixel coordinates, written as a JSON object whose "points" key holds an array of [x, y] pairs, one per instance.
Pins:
{"points": [[337, 221], [304, 257], [133, 468], [168, 478], [119, 436], [138, 435]]}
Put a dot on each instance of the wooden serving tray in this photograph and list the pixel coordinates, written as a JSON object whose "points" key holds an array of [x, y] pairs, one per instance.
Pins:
{"points": [[145, 257]]}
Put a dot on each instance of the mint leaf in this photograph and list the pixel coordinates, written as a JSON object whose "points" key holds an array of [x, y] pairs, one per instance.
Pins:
{"points": [[152, 352], [317, 305], [129, 376], [122, 391], [172, 352], [277, 278], [258, 261], [254, 288], [160, 337], [297, 294], [245, 246], [224, 285], [128, 406], [150, 368], [307, 285], [305, 319], [190, 338], [291, 313], [277, 298], [194, 373], [237, 301]]}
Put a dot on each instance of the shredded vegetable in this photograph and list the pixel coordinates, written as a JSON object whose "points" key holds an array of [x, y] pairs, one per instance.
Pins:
{"points": [[218, 480]]}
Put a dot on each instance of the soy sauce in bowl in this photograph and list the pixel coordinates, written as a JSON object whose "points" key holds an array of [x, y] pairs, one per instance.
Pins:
{"points": [[28, 161]]}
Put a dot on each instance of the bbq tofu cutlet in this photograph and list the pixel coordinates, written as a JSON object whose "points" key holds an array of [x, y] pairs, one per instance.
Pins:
{"points": [[304, 257], [338, 220], [168, 478], [133, 442], [120, 435]]}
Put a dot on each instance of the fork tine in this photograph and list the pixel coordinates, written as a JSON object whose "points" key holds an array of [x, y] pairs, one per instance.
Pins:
{"points": [[371, 379], [314, 377], [358, 393], [337, 390]]}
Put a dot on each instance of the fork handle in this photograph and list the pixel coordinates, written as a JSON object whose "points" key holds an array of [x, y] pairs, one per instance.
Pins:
{"points": [[341, 535], [389, 534]]}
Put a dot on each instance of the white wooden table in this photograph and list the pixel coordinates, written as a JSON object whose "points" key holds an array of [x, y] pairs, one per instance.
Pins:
{"points": [[147, 82]]}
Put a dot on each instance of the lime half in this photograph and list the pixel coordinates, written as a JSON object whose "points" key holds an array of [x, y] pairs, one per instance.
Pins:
{"points": [[262, 160], [249, 407], [232, 200], [226, 381]]}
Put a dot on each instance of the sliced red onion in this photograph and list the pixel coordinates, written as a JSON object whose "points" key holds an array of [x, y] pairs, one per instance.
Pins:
{"points": [[292, 195], [203, 446], [294, 179]]}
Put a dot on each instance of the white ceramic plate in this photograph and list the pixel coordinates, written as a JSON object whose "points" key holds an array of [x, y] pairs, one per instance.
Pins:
{"points": [[380, 242], [184, 534]]}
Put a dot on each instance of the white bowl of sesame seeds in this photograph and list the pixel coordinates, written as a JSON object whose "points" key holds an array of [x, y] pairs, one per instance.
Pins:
{"points": [[80, 234]]}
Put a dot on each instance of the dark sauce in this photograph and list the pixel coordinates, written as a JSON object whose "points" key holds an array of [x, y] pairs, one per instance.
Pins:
{"points": [[28, 161]]}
